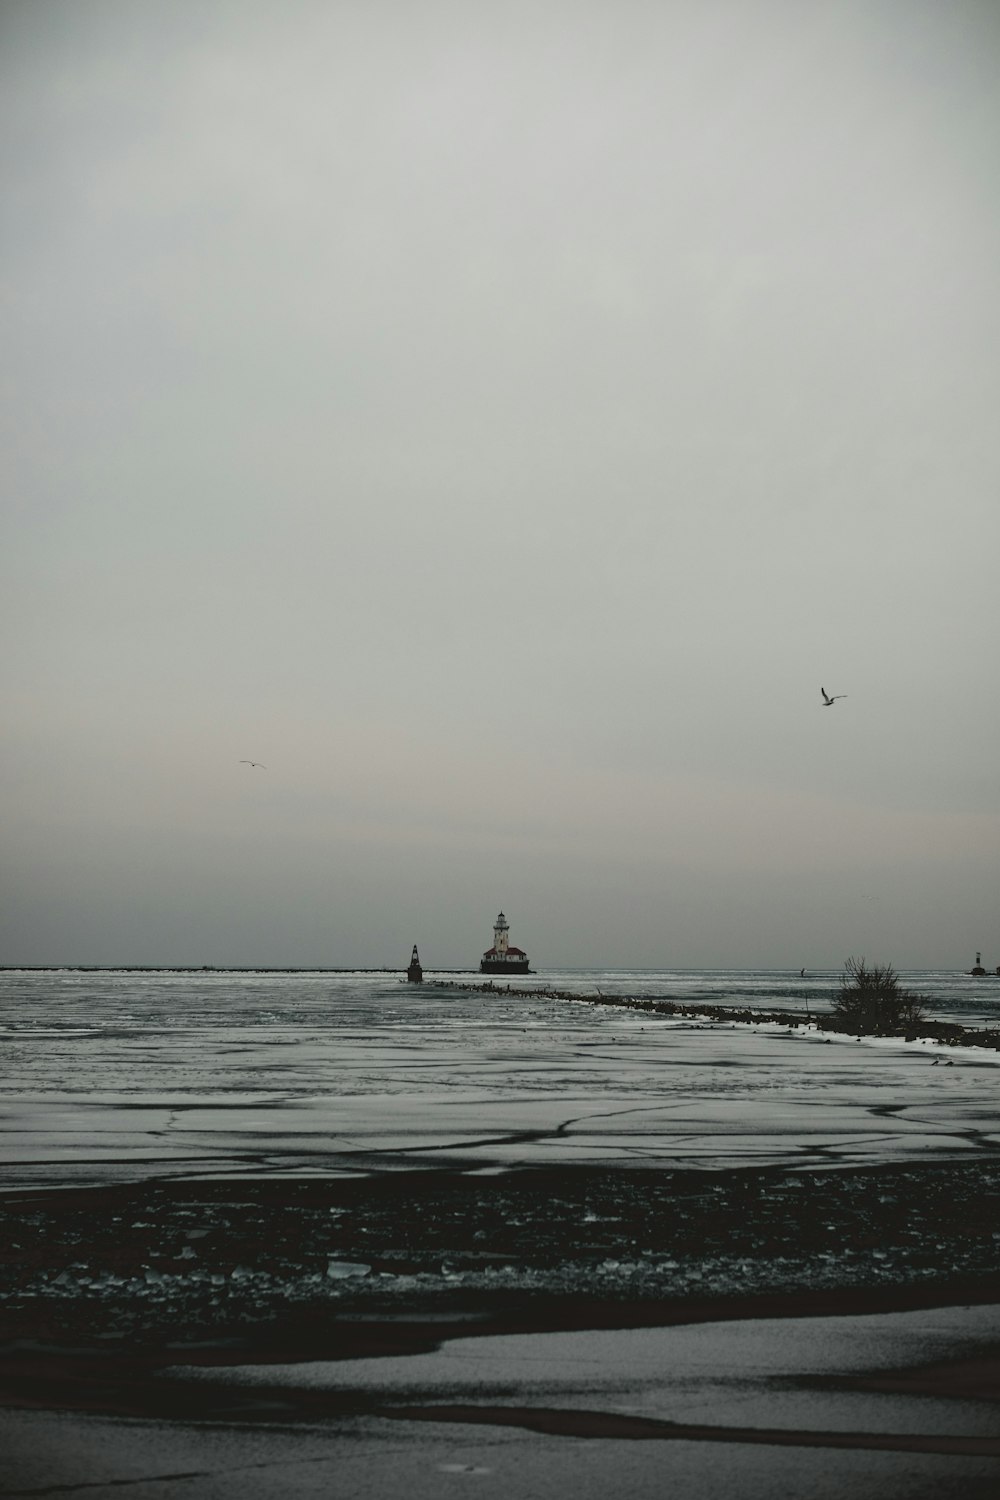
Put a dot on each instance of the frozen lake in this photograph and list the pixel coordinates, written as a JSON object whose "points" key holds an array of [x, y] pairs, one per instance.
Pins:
{"points": [[114, 1076], [117, 1078]]}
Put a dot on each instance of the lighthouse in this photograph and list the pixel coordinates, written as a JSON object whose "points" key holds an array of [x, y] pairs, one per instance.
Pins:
{"points": [[415, 974], [503, 958], [501, 927]]}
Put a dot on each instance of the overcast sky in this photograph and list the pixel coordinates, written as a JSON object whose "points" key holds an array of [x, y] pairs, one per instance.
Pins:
{"points": [[500, 420]]}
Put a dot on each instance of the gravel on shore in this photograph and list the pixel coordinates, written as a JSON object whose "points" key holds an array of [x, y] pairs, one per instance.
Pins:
{"points": [[134, 1263]]}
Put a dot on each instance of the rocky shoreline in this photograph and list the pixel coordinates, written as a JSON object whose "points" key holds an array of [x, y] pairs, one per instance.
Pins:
{"points": [[256, 1270]]}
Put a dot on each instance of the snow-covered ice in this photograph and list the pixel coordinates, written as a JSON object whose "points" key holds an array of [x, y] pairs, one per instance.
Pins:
{"points": [[358, 1074]]}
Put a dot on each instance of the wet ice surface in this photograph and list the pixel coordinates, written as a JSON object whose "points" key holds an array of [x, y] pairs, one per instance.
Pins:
{"points": [[366, 1457], [112, 1077], [771, 1373]]}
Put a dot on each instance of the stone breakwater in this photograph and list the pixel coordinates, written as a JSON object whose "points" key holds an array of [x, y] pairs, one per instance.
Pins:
{"points": [[947, 1032]]}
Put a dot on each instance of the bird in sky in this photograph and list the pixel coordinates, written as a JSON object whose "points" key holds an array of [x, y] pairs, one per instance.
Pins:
{"points": [[827, 700], [257, 763]]}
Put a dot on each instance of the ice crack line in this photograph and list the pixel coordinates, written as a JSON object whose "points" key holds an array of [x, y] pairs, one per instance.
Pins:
{"points": [[542, 1133]]}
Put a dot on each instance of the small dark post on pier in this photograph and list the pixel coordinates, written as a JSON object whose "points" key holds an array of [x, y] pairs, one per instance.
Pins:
{"points": [[415, 974]]}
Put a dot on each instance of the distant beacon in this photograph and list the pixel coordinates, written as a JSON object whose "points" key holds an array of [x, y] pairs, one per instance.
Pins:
{"points": [[415, 974], [502, 958]]}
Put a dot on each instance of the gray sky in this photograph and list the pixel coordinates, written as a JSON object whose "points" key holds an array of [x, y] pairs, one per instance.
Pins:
{"points": [[500, 420]]}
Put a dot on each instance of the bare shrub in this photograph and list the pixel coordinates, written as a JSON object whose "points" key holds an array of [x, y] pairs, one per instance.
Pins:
{"points": [[871, 1001]]}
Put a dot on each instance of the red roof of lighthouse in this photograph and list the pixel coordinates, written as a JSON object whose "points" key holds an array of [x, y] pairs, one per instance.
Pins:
{"points": [[519, 952]]}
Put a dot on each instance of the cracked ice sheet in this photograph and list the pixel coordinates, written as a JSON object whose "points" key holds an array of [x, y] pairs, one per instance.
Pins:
{"points": [[721, 1096]]}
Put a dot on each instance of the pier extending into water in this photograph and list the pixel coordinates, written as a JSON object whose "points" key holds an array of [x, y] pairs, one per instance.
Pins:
{"points": [[947, 1032]]}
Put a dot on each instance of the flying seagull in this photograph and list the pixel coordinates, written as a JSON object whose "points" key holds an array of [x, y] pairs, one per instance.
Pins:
{"points": [[253, 763], [827, 700]]}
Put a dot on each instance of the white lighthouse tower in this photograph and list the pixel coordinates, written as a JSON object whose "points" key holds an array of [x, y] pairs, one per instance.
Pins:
{"points": [[501, 927]]}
